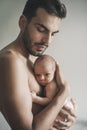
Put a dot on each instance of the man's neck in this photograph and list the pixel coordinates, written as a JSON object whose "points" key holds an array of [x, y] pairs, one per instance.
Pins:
{"points": [[20, 47], [23, 51]]}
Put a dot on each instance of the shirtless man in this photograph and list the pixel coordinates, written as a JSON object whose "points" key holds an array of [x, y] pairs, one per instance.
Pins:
{"points": [[38, 24]]}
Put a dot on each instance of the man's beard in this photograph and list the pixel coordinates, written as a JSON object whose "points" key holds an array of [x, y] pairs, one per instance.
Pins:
{"points": [[28, 46], [37, 52]]}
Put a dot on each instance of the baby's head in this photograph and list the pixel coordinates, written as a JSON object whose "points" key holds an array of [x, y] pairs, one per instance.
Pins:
{"points": [[44, 69]]}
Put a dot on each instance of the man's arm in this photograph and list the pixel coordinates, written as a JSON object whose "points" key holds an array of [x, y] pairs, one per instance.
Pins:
{"points": [[14, 94], [16, 99], [67, 113]]}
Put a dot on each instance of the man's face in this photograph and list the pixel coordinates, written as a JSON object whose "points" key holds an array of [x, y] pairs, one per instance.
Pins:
{"points": [[38, 33]]}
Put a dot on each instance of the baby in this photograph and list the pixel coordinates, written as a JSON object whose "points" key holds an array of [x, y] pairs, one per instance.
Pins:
{"points": [[44, 70]]}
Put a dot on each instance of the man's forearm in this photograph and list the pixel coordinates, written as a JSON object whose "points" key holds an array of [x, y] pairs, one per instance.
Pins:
{"points": [[45, 119]]}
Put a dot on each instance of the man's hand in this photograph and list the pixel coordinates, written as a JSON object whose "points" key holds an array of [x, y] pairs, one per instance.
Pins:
{"points": [[68, 115], [61, 82]]}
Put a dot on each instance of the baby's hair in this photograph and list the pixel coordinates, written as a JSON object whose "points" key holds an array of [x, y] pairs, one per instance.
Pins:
{"points": [[46, 59]]}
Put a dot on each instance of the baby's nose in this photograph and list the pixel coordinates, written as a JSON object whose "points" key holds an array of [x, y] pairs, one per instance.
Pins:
{"points": [[42, 77]]}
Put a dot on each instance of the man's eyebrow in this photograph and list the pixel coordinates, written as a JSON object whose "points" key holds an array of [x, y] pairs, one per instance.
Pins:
{"points": [[42, 26], [56, 31], [46, 28]]}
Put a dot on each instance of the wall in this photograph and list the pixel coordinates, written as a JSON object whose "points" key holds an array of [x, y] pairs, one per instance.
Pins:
{"points": [[69, 46]]}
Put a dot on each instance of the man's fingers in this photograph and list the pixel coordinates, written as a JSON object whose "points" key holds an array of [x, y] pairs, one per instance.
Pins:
{"points": [[74, 104], [68, 110], [61, 125]]}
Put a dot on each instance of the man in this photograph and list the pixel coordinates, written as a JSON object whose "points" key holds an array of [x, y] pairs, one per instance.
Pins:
{"points": [[38, 24]]}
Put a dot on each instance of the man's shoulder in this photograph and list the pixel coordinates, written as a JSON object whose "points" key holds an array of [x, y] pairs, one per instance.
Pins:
{"points": [[9, 56], [9, 62], [12, 68]]}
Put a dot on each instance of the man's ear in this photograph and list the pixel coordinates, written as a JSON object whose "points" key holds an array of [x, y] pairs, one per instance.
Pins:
{"points": [[22, 22]]}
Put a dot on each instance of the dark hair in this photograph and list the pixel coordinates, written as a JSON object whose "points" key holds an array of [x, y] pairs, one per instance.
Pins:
{"points": [[53, 7]]}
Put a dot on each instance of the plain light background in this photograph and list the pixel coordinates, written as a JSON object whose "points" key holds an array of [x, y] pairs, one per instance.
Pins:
{"points": [[69, 46]]}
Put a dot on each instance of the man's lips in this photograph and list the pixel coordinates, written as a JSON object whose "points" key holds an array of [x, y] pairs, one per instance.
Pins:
{"points": [[42, 44], [41, 47]]}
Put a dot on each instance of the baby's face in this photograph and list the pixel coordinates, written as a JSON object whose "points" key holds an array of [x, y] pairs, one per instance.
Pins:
{"points": [[44, 74]]}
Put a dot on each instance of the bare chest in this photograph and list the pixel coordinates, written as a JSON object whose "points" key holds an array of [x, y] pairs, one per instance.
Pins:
{"points": [[32, 83], [35, 87]]}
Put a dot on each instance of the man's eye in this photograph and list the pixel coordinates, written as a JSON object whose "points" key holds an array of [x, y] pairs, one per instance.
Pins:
{"points": [[53, 34], [40, 29]]}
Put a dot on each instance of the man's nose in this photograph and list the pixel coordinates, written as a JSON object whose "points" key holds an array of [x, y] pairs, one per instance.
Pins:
{"points": [[47, 38]]}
